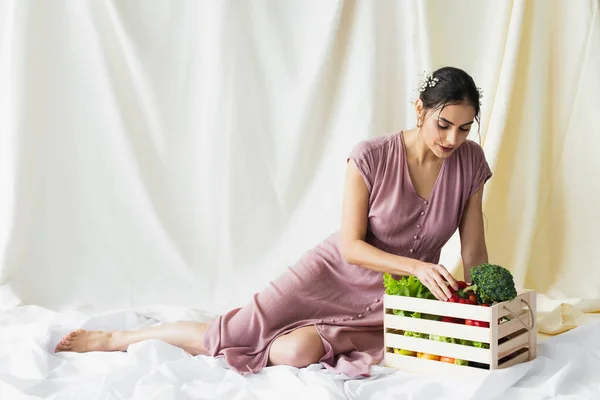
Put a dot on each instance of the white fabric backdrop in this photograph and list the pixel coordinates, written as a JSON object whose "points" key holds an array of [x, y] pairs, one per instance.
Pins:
{"points": [[185, 153]]}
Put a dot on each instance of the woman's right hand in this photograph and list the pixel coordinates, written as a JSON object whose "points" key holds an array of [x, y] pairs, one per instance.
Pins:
{"points": [[436, 278]]}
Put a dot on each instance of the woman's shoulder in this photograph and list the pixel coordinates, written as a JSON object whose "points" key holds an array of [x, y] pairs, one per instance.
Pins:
{"points": [[470, 151], [472, 162], [376, 144]]}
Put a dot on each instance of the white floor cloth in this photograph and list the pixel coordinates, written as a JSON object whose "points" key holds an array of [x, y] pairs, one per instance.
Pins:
{"points": [[567, 367]]}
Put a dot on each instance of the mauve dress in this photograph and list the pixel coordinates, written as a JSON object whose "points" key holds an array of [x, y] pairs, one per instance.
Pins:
{"points": [[344, 301]]}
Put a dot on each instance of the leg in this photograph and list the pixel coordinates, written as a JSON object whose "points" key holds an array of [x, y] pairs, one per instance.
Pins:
{"points": [[299, 348], [185, 334]]}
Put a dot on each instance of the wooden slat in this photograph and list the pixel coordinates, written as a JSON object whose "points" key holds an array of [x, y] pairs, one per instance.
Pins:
{"points": [[438, 348], [514, 305], [436, 328], [436, 307], [515, 360], [531, 299], [514, 325], [512, 345], [494, 339], [422, 366]]}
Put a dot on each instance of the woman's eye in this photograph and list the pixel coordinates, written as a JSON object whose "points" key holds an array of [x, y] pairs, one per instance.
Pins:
{"points": [[465, 129], [443, 127]]}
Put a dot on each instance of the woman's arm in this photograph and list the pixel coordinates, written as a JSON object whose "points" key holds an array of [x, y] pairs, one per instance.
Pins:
{"points": [[472, 235], [355, 250]]}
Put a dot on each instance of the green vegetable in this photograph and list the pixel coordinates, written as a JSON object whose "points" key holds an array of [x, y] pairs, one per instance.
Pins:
{"points": [[416, 335], [492, 283], [461, 362], [409, 286], [444, 339], [416, 314], [481, 345], [427, 316]]}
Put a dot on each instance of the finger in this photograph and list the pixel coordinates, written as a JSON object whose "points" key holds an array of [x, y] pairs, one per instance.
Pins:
{"points": [[441, 296], [428, 284], [434, 288], [443, 287], [448, 276]]}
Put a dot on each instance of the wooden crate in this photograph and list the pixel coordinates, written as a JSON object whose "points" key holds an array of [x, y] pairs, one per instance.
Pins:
{"points": [[509, 342]]}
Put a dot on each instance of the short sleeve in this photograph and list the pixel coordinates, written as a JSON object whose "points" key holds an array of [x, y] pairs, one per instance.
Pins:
{"points": [[481, 169], [365, 159]]}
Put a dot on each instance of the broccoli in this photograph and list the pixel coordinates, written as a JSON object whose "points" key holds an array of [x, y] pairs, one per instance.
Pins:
{"points": [[492, 283]]}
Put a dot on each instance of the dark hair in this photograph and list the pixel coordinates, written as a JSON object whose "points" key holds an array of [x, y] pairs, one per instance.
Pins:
{"points": [[452, 86]]}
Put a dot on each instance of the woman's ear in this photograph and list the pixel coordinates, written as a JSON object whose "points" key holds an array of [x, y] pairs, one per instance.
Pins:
{"points": [[419, 108]]}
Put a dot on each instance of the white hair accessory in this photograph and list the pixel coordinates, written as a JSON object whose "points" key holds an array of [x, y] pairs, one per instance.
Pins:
{"points": [[427, 80]]}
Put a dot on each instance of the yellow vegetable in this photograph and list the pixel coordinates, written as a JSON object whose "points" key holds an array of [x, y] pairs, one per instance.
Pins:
{"points": [[429, 356], [405, 352]]}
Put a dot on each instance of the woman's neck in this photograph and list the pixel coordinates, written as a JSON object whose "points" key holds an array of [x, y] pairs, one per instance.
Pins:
{"points": [[417, 150]]}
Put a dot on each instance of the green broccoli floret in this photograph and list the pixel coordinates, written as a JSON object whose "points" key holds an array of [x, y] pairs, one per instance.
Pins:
{"points": [[492, 283]]}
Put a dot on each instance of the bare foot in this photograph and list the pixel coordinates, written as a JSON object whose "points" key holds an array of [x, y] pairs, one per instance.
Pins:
{"points": [[82, 341]]}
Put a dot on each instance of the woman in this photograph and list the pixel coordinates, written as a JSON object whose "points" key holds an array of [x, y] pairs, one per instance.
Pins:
{"points": [[405, 195]]}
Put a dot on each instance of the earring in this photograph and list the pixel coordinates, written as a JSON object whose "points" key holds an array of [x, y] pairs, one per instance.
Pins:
{"points": [[419, 122]]}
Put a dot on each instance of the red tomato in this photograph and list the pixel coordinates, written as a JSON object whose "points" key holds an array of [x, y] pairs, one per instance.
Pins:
{"points": [[454, 298], [472, 298]]}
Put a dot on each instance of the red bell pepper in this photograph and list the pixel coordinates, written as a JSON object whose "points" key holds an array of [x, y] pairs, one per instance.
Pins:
{"points": [[453, 320], [472, 322], [461, 284]]}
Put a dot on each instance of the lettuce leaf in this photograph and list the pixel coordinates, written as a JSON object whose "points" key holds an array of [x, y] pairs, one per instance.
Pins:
{"points": [[409, 286], [418, 335]]}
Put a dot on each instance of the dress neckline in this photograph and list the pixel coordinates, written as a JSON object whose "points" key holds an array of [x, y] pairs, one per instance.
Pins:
{"points": [[406, 171]]}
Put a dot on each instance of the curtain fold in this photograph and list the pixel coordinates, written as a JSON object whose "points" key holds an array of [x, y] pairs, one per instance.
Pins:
{"points": [[186, 153]]}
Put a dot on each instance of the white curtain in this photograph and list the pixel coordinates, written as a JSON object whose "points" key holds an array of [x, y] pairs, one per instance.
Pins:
{"points": [[187, 152]]}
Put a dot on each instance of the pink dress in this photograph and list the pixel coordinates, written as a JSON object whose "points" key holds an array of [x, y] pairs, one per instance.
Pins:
{"points": [[344, 301]]}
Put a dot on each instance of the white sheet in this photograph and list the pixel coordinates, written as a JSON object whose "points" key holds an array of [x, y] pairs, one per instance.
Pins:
{"points": [[566, 368]]}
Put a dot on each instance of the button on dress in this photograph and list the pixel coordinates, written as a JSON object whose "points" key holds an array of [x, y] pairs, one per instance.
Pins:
{"points": [[342, 300]]}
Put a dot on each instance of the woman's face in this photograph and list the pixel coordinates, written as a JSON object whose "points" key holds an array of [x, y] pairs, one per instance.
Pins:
{"points": [[444, 131]]}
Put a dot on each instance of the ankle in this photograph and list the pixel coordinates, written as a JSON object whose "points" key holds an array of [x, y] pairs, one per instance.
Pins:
{"points": [[118, 340]]}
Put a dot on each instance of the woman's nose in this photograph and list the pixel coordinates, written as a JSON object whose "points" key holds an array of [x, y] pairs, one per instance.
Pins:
{"points": [[451, 138]]}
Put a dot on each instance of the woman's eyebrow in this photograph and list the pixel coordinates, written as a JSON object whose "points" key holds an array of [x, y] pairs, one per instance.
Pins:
{"points": [[452, 123]]}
